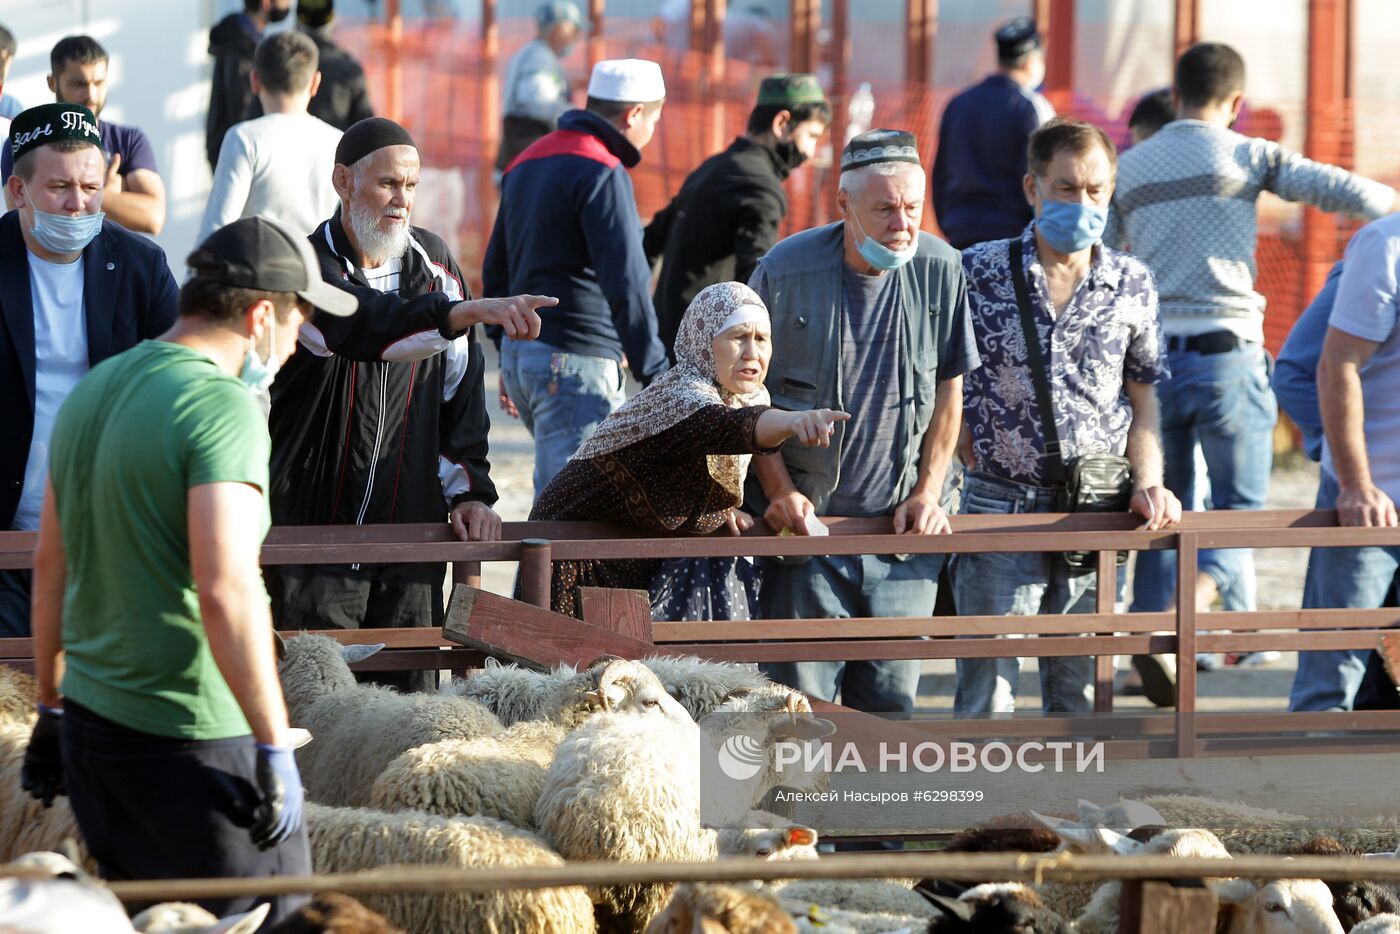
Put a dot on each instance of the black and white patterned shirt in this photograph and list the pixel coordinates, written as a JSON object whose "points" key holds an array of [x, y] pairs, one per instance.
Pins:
{"points": [[1108, 333]]}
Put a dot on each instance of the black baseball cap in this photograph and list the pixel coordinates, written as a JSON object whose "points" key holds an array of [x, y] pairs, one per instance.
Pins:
{"points": [[258, 253]]}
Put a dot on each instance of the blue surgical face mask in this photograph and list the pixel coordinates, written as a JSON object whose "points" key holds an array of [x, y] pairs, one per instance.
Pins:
{"points": [[258, 374], [1067, 227], [60, 233], [880, 256]]}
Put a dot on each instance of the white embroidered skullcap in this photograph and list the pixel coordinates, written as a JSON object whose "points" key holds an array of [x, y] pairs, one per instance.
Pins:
{"points": [[633, 80]]}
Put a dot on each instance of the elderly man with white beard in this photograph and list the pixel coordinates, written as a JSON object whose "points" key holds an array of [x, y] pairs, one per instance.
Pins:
{"points": [[374, 427]]}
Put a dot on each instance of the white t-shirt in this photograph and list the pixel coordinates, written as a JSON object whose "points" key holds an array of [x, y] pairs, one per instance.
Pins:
{"points": [[60, 360], [1366, 307], [277, 166]]}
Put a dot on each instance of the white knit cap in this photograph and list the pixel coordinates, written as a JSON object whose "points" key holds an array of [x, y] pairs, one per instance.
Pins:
{"points": [[633, 80]]}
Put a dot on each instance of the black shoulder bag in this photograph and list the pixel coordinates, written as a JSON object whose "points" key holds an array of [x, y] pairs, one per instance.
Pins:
{"points": [[1089, 482]]}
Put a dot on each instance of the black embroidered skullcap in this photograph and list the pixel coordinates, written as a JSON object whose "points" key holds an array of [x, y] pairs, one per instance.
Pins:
{"points": [[49, 123], [875, 146], [370, 135]]}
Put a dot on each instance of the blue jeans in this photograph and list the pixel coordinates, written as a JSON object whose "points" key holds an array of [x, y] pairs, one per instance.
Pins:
{"points": [[1350, 578], [1224, 403], [1022, 584], [845, 587], [562, 398]]}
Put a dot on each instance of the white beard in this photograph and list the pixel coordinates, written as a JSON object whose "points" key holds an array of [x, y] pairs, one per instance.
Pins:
{"points": [[376, 245]]}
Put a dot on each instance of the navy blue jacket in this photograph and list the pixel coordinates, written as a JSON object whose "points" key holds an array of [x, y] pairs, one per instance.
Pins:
{"points": [[981, 161], [568, 227], [128, 295]]}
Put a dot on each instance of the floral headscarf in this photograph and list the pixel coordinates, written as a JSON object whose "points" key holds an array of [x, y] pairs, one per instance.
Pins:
{"points": [[688, 386]]}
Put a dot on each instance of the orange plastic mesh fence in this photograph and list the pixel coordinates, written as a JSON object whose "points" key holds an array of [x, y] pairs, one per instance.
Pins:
{"points": [[448, 97]]}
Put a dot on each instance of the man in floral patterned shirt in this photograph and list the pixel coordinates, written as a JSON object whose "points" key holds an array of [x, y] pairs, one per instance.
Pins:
{"points": [[1100, 336]]}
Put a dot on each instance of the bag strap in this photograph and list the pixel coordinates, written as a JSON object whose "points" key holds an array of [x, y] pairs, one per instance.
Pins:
{"points": [[1040, 374]]}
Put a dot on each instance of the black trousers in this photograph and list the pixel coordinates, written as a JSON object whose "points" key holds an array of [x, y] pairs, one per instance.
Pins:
{"points": [[14, 603], [153, 807]]}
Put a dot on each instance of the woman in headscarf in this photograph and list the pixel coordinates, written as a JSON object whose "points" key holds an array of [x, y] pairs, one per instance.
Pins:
{"points": [[675, 456]]}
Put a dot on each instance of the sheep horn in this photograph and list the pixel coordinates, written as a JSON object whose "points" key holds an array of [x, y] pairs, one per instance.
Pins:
{"points": [[794, 704], [279, 646], [602, 660], [618, 669]]}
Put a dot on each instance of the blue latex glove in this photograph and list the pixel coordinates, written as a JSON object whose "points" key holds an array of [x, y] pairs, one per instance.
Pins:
{"points": [[279, 814]]}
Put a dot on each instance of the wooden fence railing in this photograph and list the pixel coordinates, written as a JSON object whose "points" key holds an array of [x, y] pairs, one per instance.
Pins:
{"points": [[1104, 633]]}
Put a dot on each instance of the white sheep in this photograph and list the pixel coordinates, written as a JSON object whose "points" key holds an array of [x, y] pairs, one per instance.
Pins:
{"points": [[26, 825], [626, 787], [733, 909], [353, 839], [1242, 827], [1279, 906], [767, 836], [703, 686], [512, 693], [360, 729], [815, 918], [497, 776], [1379, 924], [185, 918], [19, 696]]}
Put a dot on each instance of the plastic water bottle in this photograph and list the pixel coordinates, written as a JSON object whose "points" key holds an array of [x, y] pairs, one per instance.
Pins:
{"points": [[860, 112]]}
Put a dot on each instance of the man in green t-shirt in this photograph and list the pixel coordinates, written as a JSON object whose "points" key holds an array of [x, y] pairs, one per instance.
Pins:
{"points": [[148, 600]]}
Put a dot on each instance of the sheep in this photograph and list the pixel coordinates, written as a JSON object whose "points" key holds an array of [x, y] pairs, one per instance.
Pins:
{"points": [[1260, 830], [818, 919], [767, 836], [333, 912], [749, 739], [360, 729], [1353, 900], [996, 908], [1280, 906], [868, 896], [19, 696], [723, 909], [352, 839], [626, 787], [185, 918], [502, 775], [704, 686], [1379, 924], [25, 824], [512, 693], [497, 776], [1100, 914]]}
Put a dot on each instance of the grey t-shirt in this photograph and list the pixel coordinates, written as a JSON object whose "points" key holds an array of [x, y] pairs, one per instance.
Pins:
{"points": [[872, 345]]}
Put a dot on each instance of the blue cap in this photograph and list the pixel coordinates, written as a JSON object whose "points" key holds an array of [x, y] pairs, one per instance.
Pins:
{"points": [[1017, 37], [558, 11]]}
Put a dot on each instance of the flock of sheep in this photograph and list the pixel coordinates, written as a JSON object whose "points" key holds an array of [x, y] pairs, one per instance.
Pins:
{"points": [[513, 767]]}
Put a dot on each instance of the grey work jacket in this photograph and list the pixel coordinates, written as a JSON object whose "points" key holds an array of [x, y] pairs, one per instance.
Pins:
{"points": [[805, 300]]}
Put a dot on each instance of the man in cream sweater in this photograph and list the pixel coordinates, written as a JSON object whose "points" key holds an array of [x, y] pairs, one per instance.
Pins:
{"points": [[279, 165]]}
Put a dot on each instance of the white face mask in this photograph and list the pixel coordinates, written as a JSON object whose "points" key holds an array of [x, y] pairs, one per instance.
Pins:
{"points": [[1037, 67]]}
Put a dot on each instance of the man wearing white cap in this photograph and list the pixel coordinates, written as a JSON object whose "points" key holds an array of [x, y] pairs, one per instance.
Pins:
{"points": [[568, 227]]}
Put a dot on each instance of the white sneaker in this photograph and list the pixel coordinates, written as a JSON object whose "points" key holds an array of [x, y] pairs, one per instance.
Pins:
{"points": [[1208, 661]]}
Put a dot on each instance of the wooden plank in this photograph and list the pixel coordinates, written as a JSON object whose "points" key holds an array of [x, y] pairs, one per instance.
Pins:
{"points": [[1149, 906], [532, 635], [626, 612], [422, 660]]}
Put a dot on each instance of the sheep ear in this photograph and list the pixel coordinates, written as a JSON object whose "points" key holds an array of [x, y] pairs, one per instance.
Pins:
{"points": [[1117, 842], [952, 907], [246, 923], [358, 653], [1138, 814], [1089, 811], [797, 835], [1234, 891]]}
